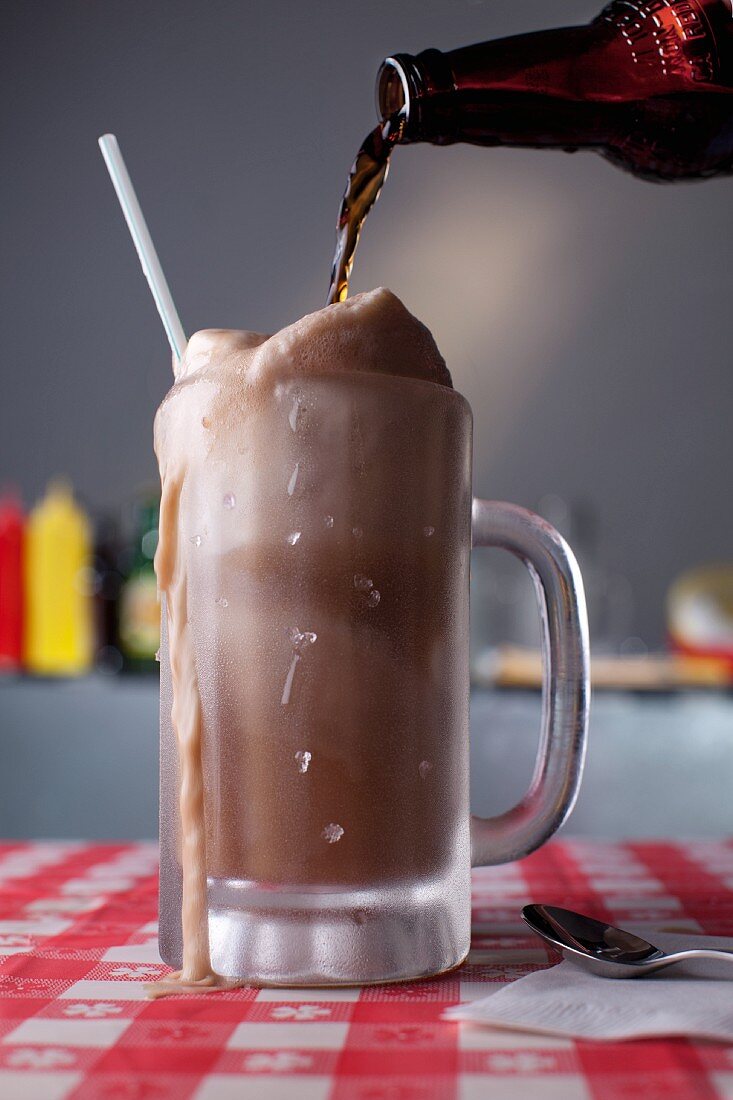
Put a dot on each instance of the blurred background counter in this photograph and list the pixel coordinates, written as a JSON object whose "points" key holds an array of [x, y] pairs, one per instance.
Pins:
{"points": [[80, 760]]}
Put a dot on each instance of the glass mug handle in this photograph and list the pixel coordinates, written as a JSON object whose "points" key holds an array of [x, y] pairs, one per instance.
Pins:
{"points": [[565, 691]]}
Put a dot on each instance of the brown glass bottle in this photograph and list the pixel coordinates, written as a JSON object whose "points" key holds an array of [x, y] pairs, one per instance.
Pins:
{"points": [[647, 84]]}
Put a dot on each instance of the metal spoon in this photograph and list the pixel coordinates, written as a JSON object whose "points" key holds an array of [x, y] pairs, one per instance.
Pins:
{"points": [[603, 949]]}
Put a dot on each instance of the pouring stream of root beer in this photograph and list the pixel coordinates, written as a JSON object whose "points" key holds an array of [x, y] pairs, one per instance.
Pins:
{"points": [[364, 183]]}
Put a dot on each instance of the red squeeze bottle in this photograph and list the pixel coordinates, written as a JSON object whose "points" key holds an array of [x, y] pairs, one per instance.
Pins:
{"points": [[11, 583]]}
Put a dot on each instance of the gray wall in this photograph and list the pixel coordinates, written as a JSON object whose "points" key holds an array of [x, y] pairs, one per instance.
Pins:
{"points": [[583, 313]]}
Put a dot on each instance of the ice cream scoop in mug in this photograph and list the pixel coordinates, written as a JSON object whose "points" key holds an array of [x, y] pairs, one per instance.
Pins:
{"points": [[316, 531]]}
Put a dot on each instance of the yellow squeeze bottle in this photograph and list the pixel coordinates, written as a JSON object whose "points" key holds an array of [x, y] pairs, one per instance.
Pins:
{"points": [[58, 556]]}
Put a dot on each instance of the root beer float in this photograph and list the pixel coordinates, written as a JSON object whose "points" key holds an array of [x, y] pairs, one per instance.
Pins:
{"points": [[282, 586], [315, 535]]}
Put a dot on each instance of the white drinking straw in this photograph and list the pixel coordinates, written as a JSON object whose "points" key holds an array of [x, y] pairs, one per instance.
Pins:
{"points": [[144, 244]]}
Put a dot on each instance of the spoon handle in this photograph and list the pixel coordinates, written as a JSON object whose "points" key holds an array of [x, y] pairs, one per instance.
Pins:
{"points": [[703, 953]]}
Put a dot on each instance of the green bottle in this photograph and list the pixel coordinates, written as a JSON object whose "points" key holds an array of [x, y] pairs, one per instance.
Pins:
{"points": [[139, 606]]}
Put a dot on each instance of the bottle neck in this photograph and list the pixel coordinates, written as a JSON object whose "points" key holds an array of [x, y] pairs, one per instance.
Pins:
{"points": [[420, 90], [464, 95], [542, 88], [438, 108]]}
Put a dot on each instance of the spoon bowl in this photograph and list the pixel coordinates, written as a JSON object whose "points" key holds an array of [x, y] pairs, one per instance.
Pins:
{"points": [[604, 949]]}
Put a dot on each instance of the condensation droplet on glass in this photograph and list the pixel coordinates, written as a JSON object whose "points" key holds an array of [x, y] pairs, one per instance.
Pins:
{"points": [[293, 537], [362, 583], [303, 758], [328, 521], [332, 833], [357, 532], [222, 602], [197, 540], [424, 767], [288, 685], [373, 598], [301, 638], [294, 413], [229, 501], [293, 480], [428, 531]]}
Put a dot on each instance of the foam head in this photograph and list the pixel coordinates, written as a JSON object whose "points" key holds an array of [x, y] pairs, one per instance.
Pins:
{"points": [[223, 370]]}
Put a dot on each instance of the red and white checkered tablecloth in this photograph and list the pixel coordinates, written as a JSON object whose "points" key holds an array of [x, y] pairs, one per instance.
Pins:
{"points": [[78, 939]]}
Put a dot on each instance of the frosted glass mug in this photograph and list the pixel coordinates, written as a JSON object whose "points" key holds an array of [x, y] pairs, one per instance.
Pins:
{"points": [[328, 566]]}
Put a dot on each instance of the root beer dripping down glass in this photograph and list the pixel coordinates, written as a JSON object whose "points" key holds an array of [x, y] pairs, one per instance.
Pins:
{"points": [[647, 84]]}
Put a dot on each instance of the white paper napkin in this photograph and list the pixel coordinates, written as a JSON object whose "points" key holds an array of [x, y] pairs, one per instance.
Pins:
{"points": [[694, 999]]}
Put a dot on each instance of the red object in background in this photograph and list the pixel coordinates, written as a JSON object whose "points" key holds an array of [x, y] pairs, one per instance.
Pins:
{"points": [[700, 614], [698, 653], [11, 583]]}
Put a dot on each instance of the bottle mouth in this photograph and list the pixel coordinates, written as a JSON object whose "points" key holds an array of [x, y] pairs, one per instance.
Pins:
{"points": [[393, 90]]}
